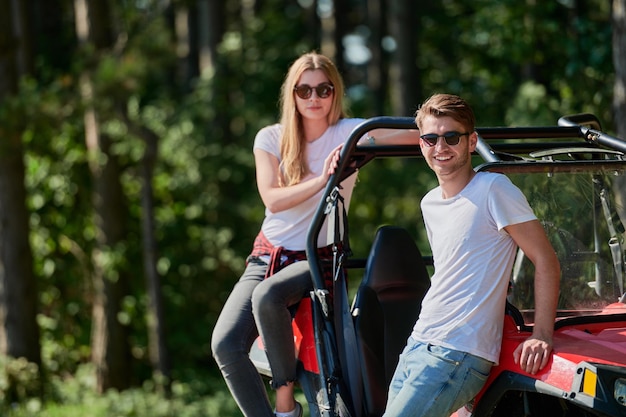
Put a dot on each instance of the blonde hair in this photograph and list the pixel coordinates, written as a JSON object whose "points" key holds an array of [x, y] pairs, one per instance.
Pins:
{"points": [[293, 164]]}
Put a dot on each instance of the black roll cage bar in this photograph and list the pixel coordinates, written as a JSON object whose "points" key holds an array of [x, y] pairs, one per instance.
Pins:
{"points": [[495, 144]]}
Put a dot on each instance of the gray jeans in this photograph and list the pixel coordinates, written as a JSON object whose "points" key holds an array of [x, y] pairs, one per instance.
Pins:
{"points": [[263, 304]]}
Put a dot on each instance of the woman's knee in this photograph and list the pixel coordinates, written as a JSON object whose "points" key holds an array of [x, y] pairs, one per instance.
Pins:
{"points": [[219, 344], [264, 299], [226, 344]]}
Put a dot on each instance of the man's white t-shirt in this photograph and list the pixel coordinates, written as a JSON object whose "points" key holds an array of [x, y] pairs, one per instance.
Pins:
{"points": [[473, 256], [289, 228]]}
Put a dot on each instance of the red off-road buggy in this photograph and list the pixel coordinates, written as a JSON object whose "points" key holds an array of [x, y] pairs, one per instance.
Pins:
{"points": [[574, 177]]}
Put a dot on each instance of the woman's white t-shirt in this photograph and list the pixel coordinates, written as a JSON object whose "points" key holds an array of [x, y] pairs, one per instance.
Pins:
{"points": [[473, 256], [289, 228]]}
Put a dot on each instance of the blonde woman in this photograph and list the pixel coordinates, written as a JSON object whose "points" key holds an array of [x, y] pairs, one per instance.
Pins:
{"points": [[294, 160]]}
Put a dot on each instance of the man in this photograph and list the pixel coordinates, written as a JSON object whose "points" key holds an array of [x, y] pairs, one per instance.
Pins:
{"points": [[475, 222]]}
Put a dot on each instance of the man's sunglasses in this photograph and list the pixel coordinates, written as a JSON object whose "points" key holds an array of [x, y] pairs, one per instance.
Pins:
{"points": [[323, 90], [451, 138]]}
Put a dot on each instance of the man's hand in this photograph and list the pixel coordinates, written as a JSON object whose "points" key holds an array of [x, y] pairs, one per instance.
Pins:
{"points": [[533, 354]]}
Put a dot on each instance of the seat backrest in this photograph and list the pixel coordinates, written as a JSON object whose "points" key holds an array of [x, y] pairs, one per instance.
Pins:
{"points": [[385, 309]]}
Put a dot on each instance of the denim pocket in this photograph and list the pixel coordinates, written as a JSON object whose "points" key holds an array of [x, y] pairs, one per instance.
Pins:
{"points": [[478, 374], [479, 367], [448, 355]]}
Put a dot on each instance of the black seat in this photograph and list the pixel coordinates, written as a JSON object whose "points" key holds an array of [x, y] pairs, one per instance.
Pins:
{"points": [[385, 309]]}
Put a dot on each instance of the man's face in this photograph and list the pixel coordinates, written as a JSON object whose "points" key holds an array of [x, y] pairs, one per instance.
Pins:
{"points": [[445, 159]]}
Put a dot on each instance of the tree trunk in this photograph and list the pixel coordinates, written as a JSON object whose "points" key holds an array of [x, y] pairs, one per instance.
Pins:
{"points": [[340, 16], [24, 51], [185, 30], [109, 337], [404, 76], [328, 44], [19, 333], [377, 74], [619, 62], [214, 17], [159, 355], [211, 27]]}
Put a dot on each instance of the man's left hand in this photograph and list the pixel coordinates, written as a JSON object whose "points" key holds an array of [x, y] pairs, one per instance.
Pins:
{"points": [[533, 354]]}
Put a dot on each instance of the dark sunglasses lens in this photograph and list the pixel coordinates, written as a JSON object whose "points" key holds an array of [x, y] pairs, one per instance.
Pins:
{"points": [[304, 91], [452, 138], [430, 139], [324, 90]]}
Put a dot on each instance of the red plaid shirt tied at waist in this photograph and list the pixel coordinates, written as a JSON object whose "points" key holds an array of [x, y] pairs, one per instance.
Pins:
{"points": [[280, 257]]}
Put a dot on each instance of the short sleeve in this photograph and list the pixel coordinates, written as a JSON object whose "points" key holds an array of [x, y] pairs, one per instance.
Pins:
{"points": [[507, 204], [268, 140]]}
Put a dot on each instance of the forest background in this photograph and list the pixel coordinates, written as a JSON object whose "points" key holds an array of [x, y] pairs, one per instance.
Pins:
{"points": [[127, 193]]}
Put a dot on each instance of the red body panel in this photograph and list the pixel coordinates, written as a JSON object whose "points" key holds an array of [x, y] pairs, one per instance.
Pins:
{"points": [[595, 343], [304, 338]]}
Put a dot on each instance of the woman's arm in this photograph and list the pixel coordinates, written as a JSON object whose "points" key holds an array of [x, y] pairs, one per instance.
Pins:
{"points": [[391, 137], [276, 198]]}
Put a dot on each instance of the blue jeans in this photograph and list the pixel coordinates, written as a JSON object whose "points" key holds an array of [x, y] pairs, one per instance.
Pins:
{"points": [[260, 303], [434, 381]]}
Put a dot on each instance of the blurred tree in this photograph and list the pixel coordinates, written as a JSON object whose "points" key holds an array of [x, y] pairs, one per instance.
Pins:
{"points": [[377, 69], [110, 348], [619, 63], [404, 83], [157, 346], [19, 332]]}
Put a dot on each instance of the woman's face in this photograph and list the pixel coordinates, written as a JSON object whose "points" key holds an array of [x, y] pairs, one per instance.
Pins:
{"points": [[314, 107]]}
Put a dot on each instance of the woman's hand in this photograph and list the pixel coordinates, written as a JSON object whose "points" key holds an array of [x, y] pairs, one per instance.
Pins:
{"points": [[331, 163], [277, 198]]}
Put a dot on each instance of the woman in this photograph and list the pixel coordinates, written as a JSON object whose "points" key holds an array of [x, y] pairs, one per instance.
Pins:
{"points": [[294, 160]]}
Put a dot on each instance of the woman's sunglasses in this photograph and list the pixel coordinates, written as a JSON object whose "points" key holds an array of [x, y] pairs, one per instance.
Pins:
{"points": [[451, 138], [322, 90]]}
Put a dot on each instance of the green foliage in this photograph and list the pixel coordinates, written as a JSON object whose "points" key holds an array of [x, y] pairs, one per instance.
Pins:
{"points": [[20, 381], [495, 50], [199, 396]]}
